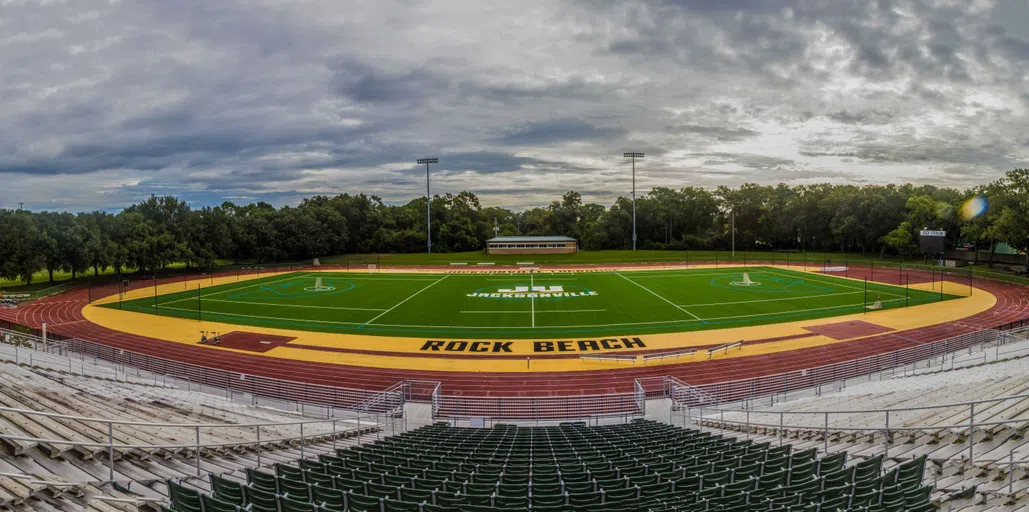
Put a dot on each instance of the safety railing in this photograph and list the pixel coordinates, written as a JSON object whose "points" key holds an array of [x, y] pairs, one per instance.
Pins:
{"points": [[837, 374], [536, 408], [958, 418]]}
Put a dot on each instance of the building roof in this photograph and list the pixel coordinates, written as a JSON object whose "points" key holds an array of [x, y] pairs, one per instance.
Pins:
{"points": [[530, 239]]}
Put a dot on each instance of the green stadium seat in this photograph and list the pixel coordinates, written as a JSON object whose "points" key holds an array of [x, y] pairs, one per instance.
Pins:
{"points": [[184, 499], [400, 506], [212, 504], [363, 503], [320, 479], [287, 504], [917, 497], [261, 500], [832, 463], [295, 489], [328, 497], [285, 470], [229, 491], [910, 473], [262, 480], [870, 468]]}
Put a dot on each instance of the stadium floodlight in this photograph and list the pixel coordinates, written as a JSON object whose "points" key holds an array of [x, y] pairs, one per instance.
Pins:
{"points": [[428, 202], [633, 156]]}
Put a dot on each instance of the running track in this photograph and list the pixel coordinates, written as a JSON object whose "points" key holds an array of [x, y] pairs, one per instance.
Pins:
{"points": [[63, 314]]}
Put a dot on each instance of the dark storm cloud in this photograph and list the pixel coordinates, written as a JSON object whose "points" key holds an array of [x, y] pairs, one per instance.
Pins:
{"points": [[104, 103]]}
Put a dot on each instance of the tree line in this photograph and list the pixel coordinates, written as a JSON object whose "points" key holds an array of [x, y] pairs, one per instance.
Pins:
{"points": [[159, 231]]}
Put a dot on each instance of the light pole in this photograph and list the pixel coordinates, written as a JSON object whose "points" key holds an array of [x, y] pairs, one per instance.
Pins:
{"points": [[633, 156], [428, 202]]}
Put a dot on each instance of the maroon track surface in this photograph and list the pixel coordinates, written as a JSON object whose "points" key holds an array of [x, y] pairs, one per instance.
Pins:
{"points": [[63, 315]]}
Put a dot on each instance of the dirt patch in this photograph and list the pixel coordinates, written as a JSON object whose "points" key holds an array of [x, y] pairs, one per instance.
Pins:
{"points": [[847, 330]]}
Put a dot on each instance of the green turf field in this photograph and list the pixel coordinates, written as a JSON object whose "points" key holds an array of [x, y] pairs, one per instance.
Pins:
{"points": [[539, 305]]}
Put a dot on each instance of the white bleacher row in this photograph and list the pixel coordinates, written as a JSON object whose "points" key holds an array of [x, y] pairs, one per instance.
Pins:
{"points": [[61, 455]]}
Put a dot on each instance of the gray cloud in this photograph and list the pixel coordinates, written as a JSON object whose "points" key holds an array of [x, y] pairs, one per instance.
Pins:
{"points": [[559, 131], [104, 103]]}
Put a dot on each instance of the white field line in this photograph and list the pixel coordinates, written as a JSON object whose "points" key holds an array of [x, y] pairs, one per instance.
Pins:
{"points": [[532, 300], [538, 312], [769, 300], [670, 274], [545, 278], [830, 283], [801, 310], [405, 300], [658, 296], [362, 278], [571, 326], [264, 317], [302, 306], [236, 289], [629, 324]]}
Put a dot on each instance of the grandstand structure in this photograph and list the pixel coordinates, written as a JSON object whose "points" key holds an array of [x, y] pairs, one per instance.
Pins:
{"points": [[109, 421]]}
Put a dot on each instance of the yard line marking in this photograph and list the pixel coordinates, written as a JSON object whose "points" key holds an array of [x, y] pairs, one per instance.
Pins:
{"points": [[629, 324], [385, 278], [651, 274], [831, 283], [223, 314], [545, 278], [532, 300], [235, 289], [405, 300], [489, 327], [255, 284], [485, 312], [619, 274], [771, 300], [801, 310], [293, 305]]}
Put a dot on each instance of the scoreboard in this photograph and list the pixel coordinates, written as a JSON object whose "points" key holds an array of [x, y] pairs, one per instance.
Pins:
{"points": [[932, 241]]}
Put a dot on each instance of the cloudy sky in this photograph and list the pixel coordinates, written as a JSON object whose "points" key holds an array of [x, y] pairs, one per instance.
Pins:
{"points": [[103, 103]]}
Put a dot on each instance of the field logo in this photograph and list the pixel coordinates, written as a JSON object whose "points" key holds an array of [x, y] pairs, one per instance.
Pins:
{"points": [[538, 289], [533, 292], [746, 281]]}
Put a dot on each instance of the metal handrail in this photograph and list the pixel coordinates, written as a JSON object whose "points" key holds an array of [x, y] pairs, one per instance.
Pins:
{"points": [[887, 409], [771, 385], [31, 412]]}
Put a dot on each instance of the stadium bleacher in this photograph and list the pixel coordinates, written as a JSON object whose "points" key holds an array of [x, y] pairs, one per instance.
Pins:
{"points": [[930, 416], [642, 465], [57, 454]]}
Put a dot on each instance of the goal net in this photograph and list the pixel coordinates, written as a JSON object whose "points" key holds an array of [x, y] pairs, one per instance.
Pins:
{"points": [[878, 304], [318, 286], [745, 281]]}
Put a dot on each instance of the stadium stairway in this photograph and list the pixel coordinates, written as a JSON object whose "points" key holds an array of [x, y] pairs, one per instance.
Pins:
{"points": [[923, 424], [60, 461], [637, 466]]}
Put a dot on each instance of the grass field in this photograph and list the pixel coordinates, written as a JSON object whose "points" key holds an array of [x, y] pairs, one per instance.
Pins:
{"points": [[539, 305]]}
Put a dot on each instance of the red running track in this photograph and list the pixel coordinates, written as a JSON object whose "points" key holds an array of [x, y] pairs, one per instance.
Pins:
{"points": [[63, 315]]}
